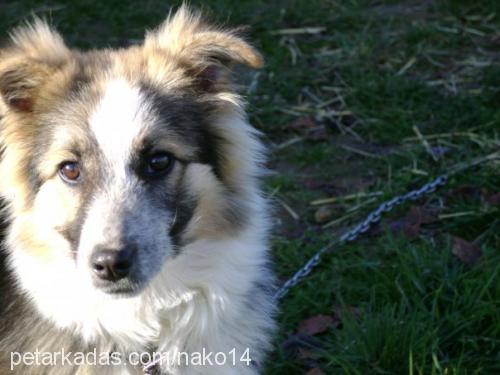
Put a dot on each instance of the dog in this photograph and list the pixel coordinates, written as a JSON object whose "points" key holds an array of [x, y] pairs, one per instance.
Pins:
{"points": [[135, 218]]}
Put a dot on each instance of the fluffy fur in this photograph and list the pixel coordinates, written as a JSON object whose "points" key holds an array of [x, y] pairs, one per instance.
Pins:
{"points": [[201, 277]]}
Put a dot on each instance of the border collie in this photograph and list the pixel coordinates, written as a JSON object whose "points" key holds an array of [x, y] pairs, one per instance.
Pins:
{"points": [[135, 219]]}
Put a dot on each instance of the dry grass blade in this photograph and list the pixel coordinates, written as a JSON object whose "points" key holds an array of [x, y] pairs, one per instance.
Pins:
{"points": [[299, 31], [457, 214], [319, 202], [426, 144], [294, 215], [361, 152], [476, 161], [289, 142], [406, 66], [339, 220]]}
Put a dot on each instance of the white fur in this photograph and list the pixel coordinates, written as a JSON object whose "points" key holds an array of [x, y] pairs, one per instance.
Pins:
{"points": [[199, 300], [121, 115], [117, 123]]}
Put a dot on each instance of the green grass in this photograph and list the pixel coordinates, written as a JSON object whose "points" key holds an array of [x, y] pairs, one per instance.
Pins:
{"points": [[402, 305]]}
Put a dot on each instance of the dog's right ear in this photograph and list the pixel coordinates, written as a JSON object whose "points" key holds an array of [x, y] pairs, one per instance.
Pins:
{"points": [[34, 54], [207, 52]]}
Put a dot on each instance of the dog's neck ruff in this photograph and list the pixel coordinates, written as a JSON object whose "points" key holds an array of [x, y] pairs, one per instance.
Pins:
{"points": [[193, 288]]}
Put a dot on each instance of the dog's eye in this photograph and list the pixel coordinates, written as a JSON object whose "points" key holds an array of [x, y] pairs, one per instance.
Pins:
{"points": [[159, 163], [69, 171]]}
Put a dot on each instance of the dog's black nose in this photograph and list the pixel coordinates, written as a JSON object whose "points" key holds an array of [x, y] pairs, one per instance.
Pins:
{"points": [[112, 265]]}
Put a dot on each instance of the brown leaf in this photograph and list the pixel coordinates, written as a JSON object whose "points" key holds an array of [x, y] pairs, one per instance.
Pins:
{"points": [[466, 251], [323, 214], [315, 325], [409, 225], [408, 229], [301, 124], [422, 215], [494, 199], [315, 371]]}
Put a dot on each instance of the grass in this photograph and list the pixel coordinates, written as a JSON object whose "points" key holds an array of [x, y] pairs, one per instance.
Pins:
{"points": [[377, 71]]}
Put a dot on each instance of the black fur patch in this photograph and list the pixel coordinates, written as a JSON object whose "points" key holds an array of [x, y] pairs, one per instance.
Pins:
{"points": [[184, 209], [190, 120]]}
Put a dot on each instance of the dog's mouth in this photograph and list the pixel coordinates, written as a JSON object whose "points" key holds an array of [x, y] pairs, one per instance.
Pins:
{"points": [[120, 289]]}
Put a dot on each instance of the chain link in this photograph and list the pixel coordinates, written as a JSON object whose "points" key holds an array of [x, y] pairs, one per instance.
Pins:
{"points": [[353, 233]]}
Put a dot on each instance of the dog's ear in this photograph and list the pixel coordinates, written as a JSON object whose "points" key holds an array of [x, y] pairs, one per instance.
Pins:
{"points": [[208, 51], [34, 54]]}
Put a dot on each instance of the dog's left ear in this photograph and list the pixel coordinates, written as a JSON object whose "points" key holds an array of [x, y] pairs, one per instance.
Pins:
{"points": [[207, 51], [35, 53]]}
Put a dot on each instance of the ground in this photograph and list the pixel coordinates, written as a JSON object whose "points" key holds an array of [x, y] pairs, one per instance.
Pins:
{"points": [[360, 101]]}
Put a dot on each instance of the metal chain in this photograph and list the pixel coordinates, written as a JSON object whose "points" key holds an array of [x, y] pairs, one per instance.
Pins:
{"points": [[372, 218], [352, 234]]}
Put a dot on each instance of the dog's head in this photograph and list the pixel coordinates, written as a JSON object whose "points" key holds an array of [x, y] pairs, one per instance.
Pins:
{"points": [[114, 159]]}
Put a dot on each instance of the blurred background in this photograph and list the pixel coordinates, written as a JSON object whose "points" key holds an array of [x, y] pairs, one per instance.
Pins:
{"points": [[360, 101]]}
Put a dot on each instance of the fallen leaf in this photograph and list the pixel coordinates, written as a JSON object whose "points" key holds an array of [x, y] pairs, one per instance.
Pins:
{"points": [[466, 251], [300, 124], [494, 199], [323, 214], [315, 325], [422, 215], [410, 224], [315, 371], [407, 228]]}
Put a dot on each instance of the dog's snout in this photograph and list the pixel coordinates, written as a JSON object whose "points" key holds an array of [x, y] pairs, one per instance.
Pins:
{"points": [[111, 264]]}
